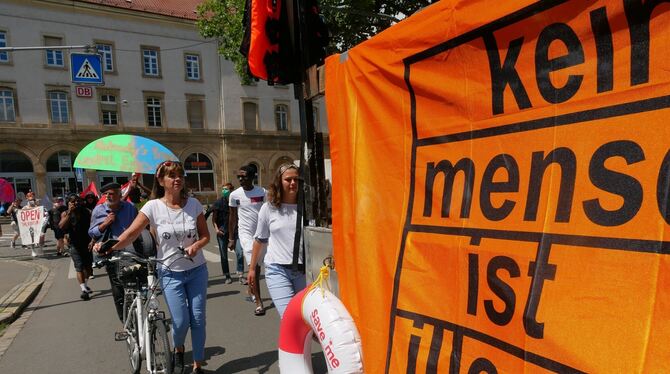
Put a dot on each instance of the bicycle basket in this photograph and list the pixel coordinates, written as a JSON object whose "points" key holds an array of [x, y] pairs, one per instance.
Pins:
{"points": [[131, 274], [145, 245]]}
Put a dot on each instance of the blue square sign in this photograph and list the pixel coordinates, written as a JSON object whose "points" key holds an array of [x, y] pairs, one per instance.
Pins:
{"points": [[86, 68]]}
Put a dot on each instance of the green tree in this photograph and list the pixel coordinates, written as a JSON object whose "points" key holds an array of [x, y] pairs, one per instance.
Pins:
{"points": [[222, 20], [350, 22]]}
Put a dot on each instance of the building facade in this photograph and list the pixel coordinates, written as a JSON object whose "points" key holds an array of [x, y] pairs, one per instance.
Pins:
{"points": [[162, 81]]}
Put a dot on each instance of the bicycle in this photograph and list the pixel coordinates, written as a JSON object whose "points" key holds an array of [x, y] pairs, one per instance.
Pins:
{"points": [[145, 326]]}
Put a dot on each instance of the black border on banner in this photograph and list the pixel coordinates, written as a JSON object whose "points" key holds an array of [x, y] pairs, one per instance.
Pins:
{"points": [[640, 106]]}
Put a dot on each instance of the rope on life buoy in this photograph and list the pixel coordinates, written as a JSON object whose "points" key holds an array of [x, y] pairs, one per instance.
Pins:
{"points": [[315, 310]]}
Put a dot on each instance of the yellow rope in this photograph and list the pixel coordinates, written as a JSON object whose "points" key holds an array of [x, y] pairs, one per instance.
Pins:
{"points": [[324, 273]]}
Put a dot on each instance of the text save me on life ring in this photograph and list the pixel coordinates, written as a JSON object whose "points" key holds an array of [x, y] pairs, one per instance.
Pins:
{"points": [[318, 311]]}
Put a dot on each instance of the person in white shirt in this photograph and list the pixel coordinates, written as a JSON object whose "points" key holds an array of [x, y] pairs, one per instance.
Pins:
{"points": [[245, 203], [277, 228], [182, 233]]}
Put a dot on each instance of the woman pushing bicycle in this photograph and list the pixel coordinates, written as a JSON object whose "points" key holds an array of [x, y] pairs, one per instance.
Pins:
{"points": [[181, 227]]}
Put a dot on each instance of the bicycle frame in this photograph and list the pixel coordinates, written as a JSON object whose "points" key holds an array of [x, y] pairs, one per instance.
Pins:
{"points": [[145, 306]]}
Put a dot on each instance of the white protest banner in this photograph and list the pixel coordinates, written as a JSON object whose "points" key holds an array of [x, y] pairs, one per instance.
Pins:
{"points": [[30, 224]]}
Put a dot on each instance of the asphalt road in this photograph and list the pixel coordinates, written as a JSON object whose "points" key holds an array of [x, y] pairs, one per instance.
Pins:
{"points": [[63, 334]]}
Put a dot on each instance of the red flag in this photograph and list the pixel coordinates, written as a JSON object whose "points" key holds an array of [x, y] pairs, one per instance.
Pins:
{"points": [[91, 188]]}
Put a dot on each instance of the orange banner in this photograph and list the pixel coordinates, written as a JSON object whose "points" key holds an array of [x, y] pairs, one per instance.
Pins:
{"points": [[503, 188]]}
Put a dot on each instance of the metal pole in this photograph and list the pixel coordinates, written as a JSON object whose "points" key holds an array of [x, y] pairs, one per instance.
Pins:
{"points": [[13, 49]]}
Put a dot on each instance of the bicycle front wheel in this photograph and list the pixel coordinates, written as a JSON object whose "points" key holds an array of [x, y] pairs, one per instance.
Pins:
{"points": [[160, 348], [132, 341]]}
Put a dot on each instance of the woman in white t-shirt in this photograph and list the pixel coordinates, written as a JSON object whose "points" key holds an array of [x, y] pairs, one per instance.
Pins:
{"points": [[276, 227], [182, 232]]}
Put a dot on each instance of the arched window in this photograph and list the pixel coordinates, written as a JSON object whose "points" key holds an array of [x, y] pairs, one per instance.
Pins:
{"points": [[281, 117], [199, 173], [61, 178], [17, 169], [61, 161]]}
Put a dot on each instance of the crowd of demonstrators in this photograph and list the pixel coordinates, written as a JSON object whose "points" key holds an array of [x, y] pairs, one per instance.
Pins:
{"points": [[277, 228], [75, 221], [108, 221], [182, 232], [220, 216], [259, 225], [244, 205]]}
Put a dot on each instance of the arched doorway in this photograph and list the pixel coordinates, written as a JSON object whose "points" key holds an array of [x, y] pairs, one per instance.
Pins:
{"points": [[17, 169], [61, 178]]}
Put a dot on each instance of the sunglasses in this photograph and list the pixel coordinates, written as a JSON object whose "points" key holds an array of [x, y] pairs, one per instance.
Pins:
{"points": [[169, 163], [285, 167], [166, 164]]}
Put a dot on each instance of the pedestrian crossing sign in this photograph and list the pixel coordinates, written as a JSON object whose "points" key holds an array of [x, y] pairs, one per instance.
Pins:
{"points": [[86, 68]]}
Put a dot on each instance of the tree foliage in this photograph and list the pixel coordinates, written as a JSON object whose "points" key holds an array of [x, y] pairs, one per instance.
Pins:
{"points": [[350, 22], [222, 20]]}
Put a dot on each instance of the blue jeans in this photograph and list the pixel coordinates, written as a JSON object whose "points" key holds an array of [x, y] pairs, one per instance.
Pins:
{"points": [[239, 254], [283, 284], [186, 297], [223, 251]]}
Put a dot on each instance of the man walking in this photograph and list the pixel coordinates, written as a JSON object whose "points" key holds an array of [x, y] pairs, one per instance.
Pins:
{"points": [[220, 218], [54, 218], [75, 221], [245, 203], [108, 221]]}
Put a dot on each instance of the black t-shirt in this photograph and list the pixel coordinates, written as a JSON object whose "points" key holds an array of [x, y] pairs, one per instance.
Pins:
{"points": [[13, 214], [55, 214], [80, 221], [220, 206], [134, 194]]}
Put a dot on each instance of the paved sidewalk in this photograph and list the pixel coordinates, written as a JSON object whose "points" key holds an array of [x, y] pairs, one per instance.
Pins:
{"points": [[20, 283], [21, 278]]}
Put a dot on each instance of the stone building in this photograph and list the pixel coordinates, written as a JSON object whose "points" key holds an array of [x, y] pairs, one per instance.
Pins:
{"points": [[162, 81]]}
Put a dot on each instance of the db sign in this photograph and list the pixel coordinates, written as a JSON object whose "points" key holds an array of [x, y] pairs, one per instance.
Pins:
{"points": [[84, 91]]}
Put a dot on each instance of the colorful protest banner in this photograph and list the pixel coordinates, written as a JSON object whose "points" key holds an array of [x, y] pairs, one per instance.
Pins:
{"points": [[503, 188], [31, 221]]}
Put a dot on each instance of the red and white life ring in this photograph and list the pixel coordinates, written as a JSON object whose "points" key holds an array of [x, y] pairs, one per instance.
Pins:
{"points": [[318, 311]]}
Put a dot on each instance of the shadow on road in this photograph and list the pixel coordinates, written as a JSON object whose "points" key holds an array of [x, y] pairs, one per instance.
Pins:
{"points": [[218, 294], [219, 279], [95, 295], [260, 363], [213, 351]]}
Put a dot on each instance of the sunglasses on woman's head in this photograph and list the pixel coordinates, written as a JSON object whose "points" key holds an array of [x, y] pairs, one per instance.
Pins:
{"points": [[285, 167], [166, 164], [169, 163]]}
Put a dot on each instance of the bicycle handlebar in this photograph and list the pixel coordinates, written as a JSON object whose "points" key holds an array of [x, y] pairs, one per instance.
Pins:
{"points": [[118, 255]]}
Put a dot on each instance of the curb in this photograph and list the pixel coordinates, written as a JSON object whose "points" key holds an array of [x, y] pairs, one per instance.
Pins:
{"points": [[19, 297]]}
